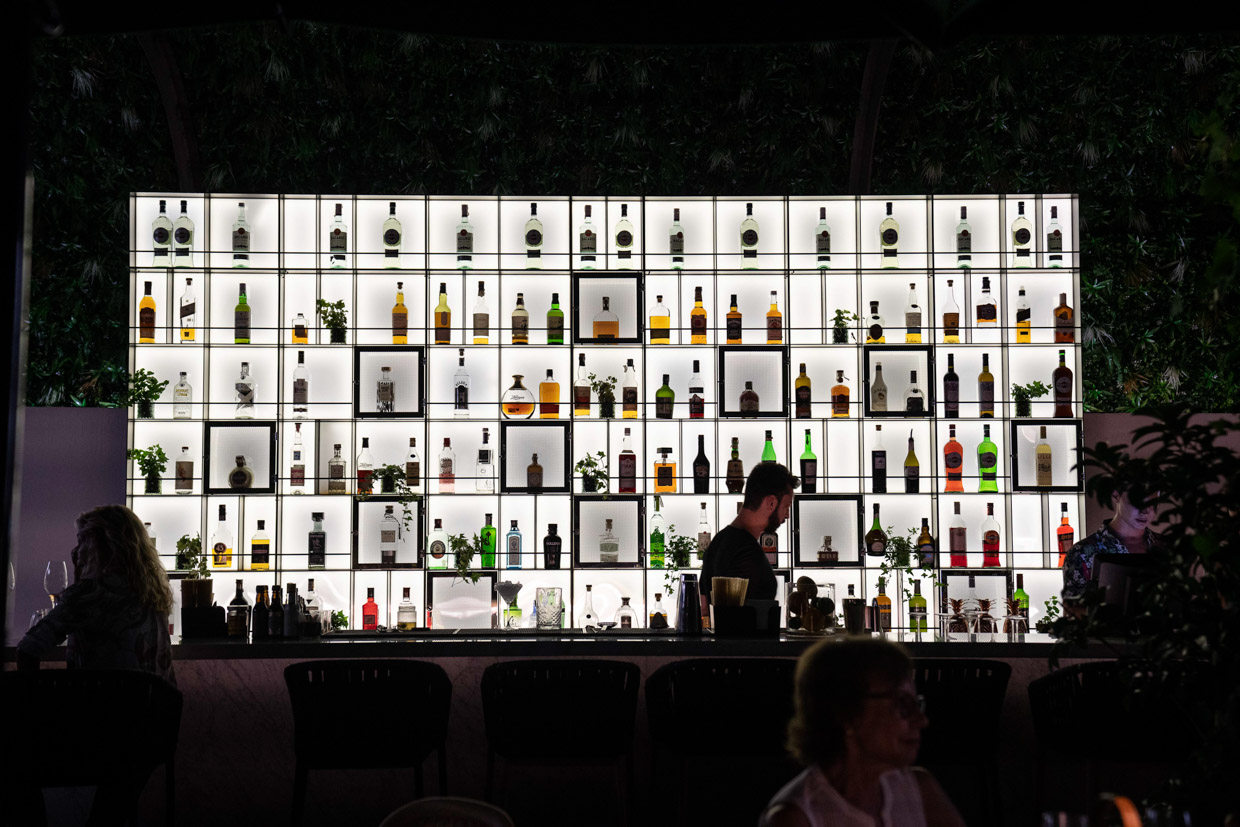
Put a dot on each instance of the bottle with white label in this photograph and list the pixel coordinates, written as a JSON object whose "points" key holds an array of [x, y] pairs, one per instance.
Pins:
{"points": [[245, 391], [389, 536], [460, 388], [482, 317], [485, 470], [183, 239], [1022, 238], [912, 317], [608, 546], [297, 468], [188, 311], [365, 468], [437, 547], [1054, 240], [413, 463], [624, 239], [241, 238], [874, 333], [878, 390], [1024, 321], [512, 547], [889, 239], [301, 387], [185, 472], [338, 239], [703, 532], [964, 240], [161, 234], [587, 241], [391, 239], [464, 240], [182, 397], [749, 240], [822, 240], [533, 240], [676, 241]]}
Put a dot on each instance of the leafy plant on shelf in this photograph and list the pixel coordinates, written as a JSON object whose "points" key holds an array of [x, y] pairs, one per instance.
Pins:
{"points": [[677, 552], [334, 317], [593, 471], [1023, 395], [840, 324], [1047, 622], [152, 462], [901, 556], [463, 552], [605, 390], [392, 480], [144, 389], [190, 558], [340, 621]]}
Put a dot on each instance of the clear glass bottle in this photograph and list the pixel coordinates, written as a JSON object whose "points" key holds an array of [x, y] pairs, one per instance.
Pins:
{"points": [[608, 546], [878, 390], [914, 398], [337, 482], [406, 612], [874, 332], [987, 308], [1022, 238], [774, 322], [664, 399], [606, 323], [442, 315], [391, 239], [184, 469], [588, 615], [964, 240], [241, 478], [512, 547], [624, 240], [889, 239], [464, 240], [241, 318], [665, 473], [413, 463], [629, 405], [533, 240], [658, 536], [626, 618], [161, 234], [400, 315], [188, 310], [299, 330], [301, 387], [385, 391], [704, 533], [183, 238], [460, 388], [246, 391], [1054, 240], [957, 543], [437, 547], [676, 241], [951, 316], [297, 467], [912, 317], [485, 471], [658, 615], [338, 239], [1044, 461], [822, 240], [520, 322], [241, 238], [314, 603], [628, 465], [365, 468], [749, 240], [749, 403], [555, 322], [260, 548], [587, 241], [481, 317], [182, 397], [581, 389], [991, 534], [447, 468], [389, 536], [660, 323], [517, 402]]}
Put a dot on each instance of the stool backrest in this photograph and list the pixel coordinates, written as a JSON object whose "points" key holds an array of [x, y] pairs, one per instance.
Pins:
{"points": [[964, 702]]}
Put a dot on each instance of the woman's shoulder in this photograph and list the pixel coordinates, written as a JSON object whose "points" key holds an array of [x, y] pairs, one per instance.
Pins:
{"points": [[938, 808]]}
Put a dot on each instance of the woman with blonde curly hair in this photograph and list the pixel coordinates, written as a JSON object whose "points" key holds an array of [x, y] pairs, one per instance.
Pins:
{"points": [[115, 615]]}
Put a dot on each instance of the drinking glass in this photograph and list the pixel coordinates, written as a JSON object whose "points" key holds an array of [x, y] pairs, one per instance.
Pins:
{"points": [[55, 579], [548, 607]]}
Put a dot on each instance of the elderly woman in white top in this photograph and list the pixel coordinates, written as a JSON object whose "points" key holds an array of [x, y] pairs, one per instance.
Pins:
{"points": [[857, 729]]}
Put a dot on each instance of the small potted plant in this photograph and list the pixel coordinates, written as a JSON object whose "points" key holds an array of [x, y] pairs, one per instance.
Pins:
{"points": [[196, 586], [463, 553], [1023, 396], [840, 324], [593, 471], [144, 390], [605, 390], [335, 318], [392, 480], [151, 463], [903, 557]]}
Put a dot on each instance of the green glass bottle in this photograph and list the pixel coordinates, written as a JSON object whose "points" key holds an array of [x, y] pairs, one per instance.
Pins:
{"points": [[768, 450], [917, 609], [555, 322], [1022, 598], [487, 536], [987, 463], [664, 400], [241, 318], [658, 536], [809, 468]]}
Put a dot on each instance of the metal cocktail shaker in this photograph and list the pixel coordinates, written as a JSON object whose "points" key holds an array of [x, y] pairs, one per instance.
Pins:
{"points": [[689, 606]]}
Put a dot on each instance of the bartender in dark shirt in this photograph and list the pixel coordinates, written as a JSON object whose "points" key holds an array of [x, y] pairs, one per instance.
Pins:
{"points": [[735, 551]]}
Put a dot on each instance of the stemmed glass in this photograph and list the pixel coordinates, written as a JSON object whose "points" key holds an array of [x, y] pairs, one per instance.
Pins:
{"points": [[55, 579]]}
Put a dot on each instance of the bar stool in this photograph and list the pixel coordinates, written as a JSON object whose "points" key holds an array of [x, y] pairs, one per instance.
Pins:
{"points": [[581, 711], [710, 712], [437, 812], [334, 701]]}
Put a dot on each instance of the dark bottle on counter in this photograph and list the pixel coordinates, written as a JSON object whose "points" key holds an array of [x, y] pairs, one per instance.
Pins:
{"points": [[275, 613], [552, 545], [259, 617], [701, 468], [239, 616], [292, 613]]}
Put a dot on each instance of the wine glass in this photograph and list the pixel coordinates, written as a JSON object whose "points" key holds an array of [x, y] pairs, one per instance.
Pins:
{"points": [[55, 579]]}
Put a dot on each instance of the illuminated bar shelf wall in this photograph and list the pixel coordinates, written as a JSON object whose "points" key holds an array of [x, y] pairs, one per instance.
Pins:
{"points": [[289, 269]]}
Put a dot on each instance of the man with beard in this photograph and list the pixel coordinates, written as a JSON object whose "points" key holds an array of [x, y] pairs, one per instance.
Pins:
{"points": [[735, 551]]}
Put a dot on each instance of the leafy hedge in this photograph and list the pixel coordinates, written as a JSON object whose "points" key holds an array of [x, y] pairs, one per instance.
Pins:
{"points": [[1138, 126]]}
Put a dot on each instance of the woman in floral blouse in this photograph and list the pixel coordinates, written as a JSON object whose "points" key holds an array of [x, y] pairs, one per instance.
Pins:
{"points": [[1128, 532]]}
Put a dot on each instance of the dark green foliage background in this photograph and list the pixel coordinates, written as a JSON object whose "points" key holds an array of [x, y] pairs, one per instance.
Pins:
{"points": [[1138, 126]]}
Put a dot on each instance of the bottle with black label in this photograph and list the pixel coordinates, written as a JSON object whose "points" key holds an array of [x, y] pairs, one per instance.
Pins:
{"points": [[239, 616], [628, 465], [275, 613], [628, 391], [533, 240], [876, 538], [437, 547], [316, 543], [552, 545], [146, 317], [664, 399], [697, 393], [736, 470], [912, 469], [951, 389], [301, 387], [734, 329], [874, 334], [701, 468], [878, 462], [802, 391], [809, 468], [665, 473], [260, 549], [587, 241], [749, 239]]}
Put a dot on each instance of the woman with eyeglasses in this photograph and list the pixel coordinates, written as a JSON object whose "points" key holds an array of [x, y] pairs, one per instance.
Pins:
{"points": [[857, 728], [115, 615]]}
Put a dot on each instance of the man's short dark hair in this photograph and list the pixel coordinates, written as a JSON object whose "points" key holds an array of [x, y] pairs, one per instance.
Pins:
{"points": [[768, 479]]}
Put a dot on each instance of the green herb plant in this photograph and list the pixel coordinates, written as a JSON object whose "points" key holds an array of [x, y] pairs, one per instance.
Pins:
{"points": [[1023, 395], [333, 315], [840, 324], [190, 558], [901, 556], [144, 389], [677, 552], [593, 471], [340, 621], [391, 480], [151, 462], [463, 552], [605, 389]]}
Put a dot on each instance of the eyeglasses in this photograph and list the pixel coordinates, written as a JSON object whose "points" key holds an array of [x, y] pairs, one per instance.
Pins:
{"points": [[907, 706]]}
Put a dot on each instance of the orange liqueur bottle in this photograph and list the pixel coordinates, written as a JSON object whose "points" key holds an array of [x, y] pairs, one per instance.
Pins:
{"points": [[1064, 534]]}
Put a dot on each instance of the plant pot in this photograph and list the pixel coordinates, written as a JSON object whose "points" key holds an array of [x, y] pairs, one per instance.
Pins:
{"points": [[197, 594], [1024, 407], [589, 484], [338, 336], [839, 336], [146, 409], [387, 485], [607, 409], [154, 484]]}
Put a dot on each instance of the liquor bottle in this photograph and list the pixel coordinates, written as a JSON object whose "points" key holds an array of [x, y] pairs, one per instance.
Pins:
{"points": [[245, 390], [608, 547], [703, 531], [990, 538], [964, 240], [749, 401], [587, 241], [697, 319], [517, 402], [520, 322], [391, 238], [185, 472], [413, 462], [552, 546], [987, 308], [951, 316], [878, 462], [658, 536], [664, 400], [460, 388], [549, 397], [275, 614], [161, 232], [301, 334], [809, 468], [447, 468], [624, 240], [365, 468], [487, 537], [951, 389], [912, 317], [588, 616], [238, 615], [734, 331], [658, 615], [336, 483], [370, 612], [1054, 240], [188, 310], [883, 604], [839, 397], [297, 468], [484, 472], [701, 468], [464, 240], [146, 317], [241, 318], [878, 390], [665, 473], [581, 389], [182, 397], [917, 612], [925, 544], [953, 461], [533, 240], [628, 465], [1022, 236], [749, 240], [774, 322], [889, 238], [697, 392], [482, 317], [736, 470], [301, 387], [660, 323], [222, 543], [1061, 381], [876, 538], [1065, 537], [676, 241], [822, 240], [986, 389], [183, 239], [606, 323], [914, 399], [1065, 329], [260, 548], [534, 475], [628, 391], [874, 333], [769, 541], [1021, 598], [389, 534], [443, 317], [406, 612], [912, 469], [957, 539], [240, 477], [768, 449], [1043, 460], [241, 238], [292, 612], [512, 547], [400, 317], [338, 238], [260, 615], [1024, 319], [314, 608], [987, 463], [555, 322]]}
